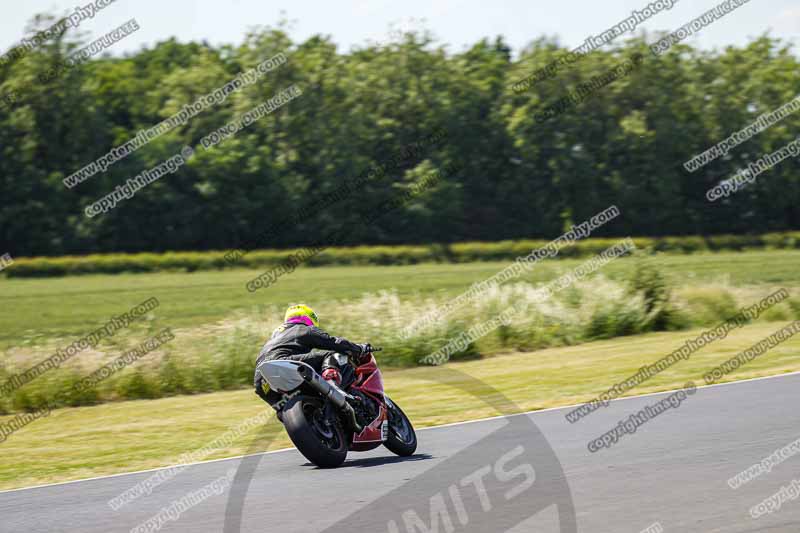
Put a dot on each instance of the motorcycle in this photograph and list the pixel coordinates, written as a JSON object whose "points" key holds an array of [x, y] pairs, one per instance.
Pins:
{"points": [[325, 421]]}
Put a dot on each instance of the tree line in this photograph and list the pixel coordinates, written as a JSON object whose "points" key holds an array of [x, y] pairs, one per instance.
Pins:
{"points": [[623, 143]]}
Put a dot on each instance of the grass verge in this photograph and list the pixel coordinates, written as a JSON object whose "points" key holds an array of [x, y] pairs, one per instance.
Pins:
{"points": [[83, 442]]}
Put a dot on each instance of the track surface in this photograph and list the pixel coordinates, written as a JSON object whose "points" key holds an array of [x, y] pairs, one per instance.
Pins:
{"points": [[673, 470]]}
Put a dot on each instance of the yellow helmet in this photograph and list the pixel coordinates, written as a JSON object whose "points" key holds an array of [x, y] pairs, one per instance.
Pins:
{"points": [[301, 310]]}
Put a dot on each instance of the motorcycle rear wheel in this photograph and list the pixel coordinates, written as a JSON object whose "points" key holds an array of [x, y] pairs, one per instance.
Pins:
{"points": [[402, 439], [320, 440]]}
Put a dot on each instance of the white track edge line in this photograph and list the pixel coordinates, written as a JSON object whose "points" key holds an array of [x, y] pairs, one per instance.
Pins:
{"points": [[535, 411]]}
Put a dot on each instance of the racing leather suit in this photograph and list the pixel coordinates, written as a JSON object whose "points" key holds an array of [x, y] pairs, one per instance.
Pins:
{"points": [[299, 342]]}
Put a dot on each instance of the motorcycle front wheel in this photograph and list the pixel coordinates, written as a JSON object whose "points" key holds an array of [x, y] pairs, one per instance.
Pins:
{"points": [[402, 439], [320, 439]]}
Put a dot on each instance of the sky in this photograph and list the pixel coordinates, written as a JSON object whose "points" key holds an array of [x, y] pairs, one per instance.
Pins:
{"points": [[455, 23]]}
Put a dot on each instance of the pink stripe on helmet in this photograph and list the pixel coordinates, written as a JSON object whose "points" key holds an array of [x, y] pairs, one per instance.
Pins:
{"points": [[300, 320]]}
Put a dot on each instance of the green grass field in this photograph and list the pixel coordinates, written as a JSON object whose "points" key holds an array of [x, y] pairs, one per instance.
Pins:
{"points": [[127, 436], [41, 309], [38, 314]]}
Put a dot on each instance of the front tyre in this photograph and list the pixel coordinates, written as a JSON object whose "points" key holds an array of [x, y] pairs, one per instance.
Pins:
{"points": [[320, 439], [402, 439]]}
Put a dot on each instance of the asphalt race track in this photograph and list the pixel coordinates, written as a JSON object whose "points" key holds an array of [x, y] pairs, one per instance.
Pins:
{"points": [[672, 471]]}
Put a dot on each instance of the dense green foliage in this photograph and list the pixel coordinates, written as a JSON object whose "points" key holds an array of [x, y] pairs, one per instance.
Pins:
{"points": [[518, 179], [381, 255]]}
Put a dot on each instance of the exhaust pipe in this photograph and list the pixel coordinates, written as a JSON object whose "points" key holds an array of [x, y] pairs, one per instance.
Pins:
{"points": [[333, 393]]}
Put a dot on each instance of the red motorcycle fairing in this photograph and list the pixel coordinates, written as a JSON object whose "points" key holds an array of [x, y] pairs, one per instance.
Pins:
{"points": [[370, 382], [369, 378], [373, 435]]}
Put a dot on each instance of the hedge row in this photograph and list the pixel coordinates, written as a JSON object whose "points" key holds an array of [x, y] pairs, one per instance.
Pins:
{"points": [[379, 255]]}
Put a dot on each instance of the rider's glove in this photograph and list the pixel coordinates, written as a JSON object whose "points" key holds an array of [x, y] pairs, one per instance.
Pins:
{"points": [[363, 356]]}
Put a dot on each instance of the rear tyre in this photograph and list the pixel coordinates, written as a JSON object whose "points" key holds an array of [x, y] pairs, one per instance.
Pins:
{"points": [[402, 439], [320, 440]]}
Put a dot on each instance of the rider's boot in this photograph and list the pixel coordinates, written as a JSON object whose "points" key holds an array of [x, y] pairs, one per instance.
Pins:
{"points": [[333, 376]]}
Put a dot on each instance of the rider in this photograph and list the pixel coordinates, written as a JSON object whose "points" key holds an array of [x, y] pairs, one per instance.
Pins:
{"points": [[296, 338]]}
